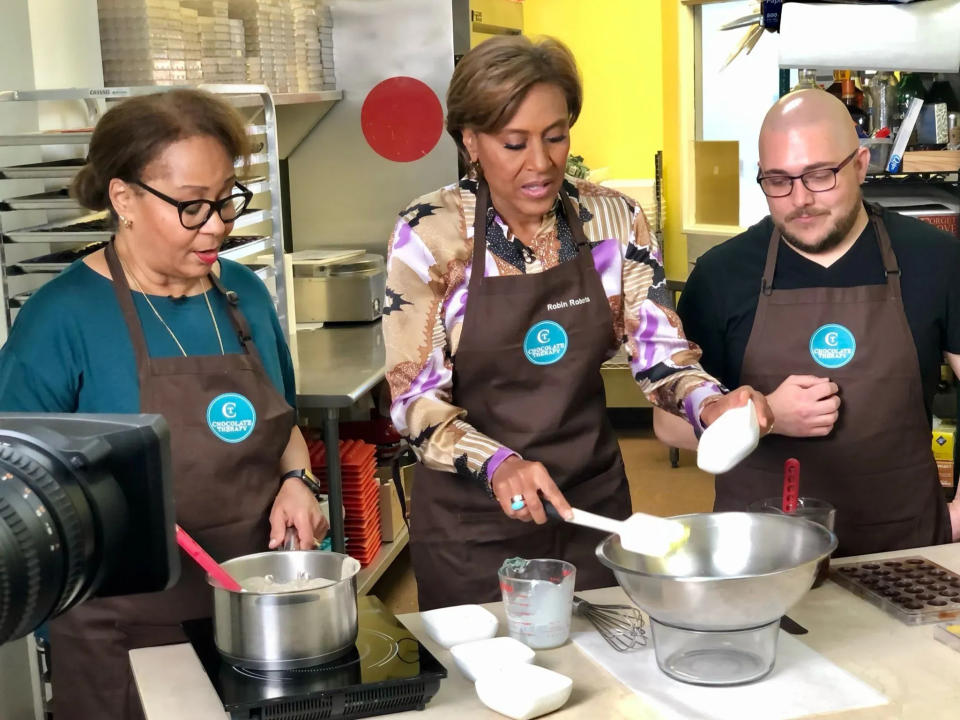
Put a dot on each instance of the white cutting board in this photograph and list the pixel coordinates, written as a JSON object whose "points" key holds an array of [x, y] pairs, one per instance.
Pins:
{"points": [[803, 682]]}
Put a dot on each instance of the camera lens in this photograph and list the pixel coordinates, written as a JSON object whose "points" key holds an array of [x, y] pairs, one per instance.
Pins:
{"points": [[86, 510], [48, 536]]}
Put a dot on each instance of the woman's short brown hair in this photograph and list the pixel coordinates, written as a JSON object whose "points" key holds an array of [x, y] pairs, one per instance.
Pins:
{"points": [[491, 81], [136, 131]]}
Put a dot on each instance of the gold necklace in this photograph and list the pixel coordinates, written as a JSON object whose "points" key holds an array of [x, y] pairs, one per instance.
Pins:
{"points": [[146, 297]]}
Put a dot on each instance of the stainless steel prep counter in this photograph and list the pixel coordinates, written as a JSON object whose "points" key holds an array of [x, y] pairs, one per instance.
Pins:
{"points": [[336, 365]]}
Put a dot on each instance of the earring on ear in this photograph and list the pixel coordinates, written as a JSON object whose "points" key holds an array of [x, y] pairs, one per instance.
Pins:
{"points": [[126, 223], [475, 168]]}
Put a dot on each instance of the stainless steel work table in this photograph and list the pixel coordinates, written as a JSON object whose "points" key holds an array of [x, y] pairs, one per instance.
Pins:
{"points": [[336, 366]]}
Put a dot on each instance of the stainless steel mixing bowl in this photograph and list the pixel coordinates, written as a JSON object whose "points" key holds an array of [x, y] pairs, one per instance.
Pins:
{"points": [[737, 570]]}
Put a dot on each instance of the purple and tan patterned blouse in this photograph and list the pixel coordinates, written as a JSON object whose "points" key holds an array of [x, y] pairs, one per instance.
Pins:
{"points": [[428, 273]]}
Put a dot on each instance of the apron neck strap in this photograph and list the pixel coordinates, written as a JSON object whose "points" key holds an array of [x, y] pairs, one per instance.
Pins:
{"points": [[239, 322], [891, 267], [125, 298], [122, 290], [480, 226]]}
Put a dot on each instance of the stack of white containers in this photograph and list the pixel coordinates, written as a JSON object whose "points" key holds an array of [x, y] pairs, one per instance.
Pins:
{"points": [[141, 42], [220, 63], [307, 48], [238, 52], [284, 44], [192, 50], [325, 24], [269, 35]]}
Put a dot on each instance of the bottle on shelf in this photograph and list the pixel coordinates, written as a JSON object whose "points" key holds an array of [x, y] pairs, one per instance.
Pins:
{"points": [[883, 100], [909, 87], [941, 91], [858, 83], [836, 89], [868, 107], [806, 80], [848, 94]]}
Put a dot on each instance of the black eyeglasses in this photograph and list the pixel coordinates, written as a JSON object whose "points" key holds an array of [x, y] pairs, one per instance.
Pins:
{"points": [[195, 213], [819, 180]]}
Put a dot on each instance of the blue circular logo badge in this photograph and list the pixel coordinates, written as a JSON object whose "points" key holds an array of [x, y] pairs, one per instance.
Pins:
{"points": [[231, 417], [832, 346], [545, 343]]}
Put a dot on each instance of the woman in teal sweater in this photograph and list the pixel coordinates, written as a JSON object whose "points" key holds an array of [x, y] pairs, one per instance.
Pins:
{"points": [[158, 323]]}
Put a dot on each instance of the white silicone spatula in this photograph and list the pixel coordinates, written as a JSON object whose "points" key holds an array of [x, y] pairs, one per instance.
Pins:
{"points": [[728, 440], [639, 533]]}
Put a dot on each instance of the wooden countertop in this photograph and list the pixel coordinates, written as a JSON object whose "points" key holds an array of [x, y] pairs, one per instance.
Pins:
{"points": [[917, 673]]}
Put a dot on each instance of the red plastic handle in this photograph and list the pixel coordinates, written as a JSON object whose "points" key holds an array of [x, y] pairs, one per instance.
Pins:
{"points": [[791, 484], [191, 548]]}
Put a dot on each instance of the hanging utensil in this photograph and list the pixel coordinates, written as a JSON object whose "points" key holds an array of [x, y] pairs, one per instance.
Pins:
{"points": [[791, 485], [203, 559], [745, 21], [754, 37], [620, 625], [747, 43]]}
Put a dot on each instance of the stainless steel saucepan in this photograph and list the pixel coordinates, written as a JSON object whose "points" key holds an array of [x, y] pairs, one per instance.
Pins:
{"points": [[286, 630]]}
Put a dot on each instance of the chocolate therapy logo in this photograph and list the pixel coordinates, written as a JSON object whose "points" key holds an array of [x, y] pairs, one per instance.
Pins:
{"points": [[231, 417], [545, 343], [832, 346]]}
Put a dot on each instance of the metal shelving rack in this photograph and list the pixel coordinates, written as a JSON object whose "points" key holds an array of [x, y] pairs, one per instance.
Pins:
{"points": [[74, 229]]}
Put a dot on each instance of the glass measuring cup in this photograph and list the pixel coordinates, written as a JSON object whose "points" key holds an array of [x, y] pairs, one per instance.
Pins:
{"points": [[538, 600]]}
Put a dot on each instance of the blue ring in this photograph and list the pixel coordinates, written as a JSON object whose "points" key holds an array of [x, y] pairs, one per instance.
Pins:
{"points": [[517, 505]]}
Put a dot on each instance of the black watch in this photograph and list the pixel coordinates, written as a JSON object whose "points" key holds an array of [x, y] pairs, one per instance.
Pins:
{"points": [[307, 478]]}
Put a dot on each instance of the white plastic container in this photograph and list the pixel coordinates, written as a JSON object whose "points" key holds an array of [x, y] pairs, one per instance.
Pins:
{"points": [[481, 656], [458, 624], [523, 691], [731, 437]]}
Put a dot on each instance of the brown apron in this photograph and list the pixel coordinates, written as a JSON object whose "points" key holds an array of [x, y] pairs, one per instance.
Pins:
{"points": [[551, 413], [876, 465], [223, 491]]}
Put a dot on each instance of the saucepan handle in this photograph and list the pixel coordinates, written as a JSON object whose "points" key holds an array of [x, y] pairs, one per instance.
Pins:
{"points": [[291, 541]]}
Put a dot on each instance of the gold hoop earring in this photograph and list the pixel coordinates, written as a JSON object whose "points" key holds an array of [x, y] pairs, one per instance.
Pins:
{"points": [[126, 223]]}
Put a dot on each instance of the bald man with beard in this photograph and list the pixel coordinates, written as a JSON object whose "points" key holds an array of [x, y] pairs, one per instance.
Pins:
{"points": [[841, 313]]}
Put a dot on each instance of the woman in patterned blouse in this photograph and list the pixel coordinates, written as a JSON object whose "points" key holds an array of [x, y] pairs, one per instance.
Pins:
{"points": [[505, 294]]}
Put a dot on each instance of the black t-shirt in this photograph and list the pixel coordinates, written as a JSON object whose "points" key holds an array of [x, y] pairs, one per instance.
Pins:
{"points": [[718, 304]]}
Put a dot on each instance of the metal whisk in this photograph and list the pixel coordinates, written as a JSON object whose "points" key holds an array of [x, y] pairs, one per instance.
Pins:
{"points": [[620, 625]]}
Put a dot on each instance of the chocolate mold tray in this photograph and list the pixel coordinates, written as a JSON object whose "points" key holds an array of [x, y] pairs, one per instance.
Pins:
{"points": [[913, 589]]}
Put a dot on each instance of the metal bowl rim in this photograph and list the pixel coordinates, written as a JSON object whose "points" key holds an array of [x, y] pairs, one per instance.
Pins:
{"points": [[713, 578], [291, 593]]}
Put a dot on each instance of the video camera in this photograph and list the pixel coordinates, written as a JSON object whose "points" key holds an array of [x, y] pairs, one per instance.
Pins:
{"points": [[86, 510]]}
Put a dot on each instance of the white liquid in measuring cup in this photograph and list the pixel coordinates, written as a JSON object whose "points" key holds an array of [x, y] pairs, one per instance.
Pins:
{"points": [[538, 609], [548, 621]]}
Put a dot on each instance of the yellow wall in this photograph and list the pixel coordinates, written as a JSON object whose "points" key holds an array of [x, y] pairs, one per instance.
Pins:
{"points": [[675, 242], [618, 48]]}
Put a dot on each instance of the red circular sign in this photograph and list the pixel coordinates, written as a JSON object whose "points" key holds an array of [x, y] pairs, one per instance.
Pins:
{"points": [[402, 119]]}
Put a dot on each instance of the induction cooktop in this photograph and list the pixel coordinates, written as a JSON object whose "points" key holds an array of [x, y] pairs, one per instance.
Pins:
{"points": [[387, 671]]}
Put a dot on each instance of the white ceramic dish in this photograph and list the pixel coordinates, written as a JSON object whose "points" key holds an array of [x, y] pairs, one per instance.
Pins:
{"points": [[730, 438], [458, 624], [482, 656], [523, 691]]}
